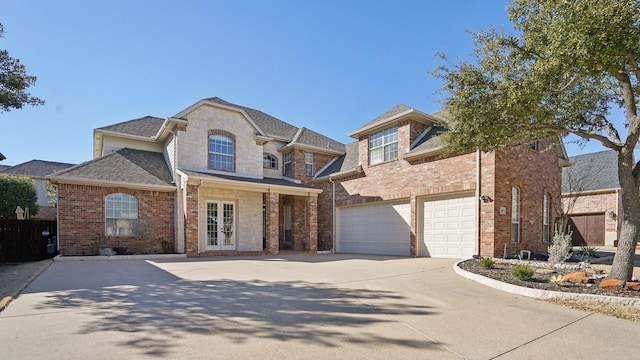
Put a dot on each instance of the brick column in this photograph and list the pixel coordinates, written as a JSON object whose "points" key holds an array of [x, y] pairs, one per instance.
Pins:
{"points": [[191, 221], [313, 223], [272, 202], [413, 239]]}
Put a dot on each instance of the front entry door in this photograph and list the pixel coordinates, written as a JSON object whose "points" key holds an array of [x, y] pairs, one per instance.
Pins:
{"points": [[221, 225]]}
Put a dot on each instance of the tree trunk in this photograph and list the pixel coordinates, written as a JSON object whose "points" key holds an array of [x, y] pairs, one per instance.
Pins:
{"points": [[623, 261]]}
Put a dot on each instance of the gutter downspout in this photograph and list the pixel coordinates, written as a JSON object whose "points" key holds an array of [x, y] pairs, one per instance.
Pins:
{"points": [[333, 214], [479, 202]]}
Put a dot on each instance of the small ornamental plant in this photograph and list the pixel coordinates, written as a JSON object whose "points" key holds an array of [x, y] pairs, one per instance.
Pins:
{"points": [[522, 272], [558, 279], [589, 251], [487, 263]]}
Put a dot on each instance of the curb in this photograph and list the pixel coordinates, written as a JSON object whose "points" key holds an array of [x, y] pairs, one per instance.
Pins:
{"points": [[4, 302], [542, 294], [120, 257]]}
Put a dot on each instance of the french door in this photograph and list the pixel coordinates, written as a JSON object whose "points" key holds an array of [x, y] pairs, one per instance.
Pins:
{"points": [[221, 225]]}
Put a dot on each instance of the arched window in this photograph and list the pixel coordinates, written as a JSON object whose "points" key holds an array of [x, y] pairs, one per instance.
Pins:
{"points": [[515, 214], [221, 153], [270, 161], [121, 214]]}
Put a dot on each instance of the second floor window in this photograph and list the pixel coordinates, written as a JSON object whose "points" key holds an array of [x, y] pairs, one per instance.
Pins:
{"points": [[383, 146], [221, 152], [288, 163], [270, 161], [308, 163]]}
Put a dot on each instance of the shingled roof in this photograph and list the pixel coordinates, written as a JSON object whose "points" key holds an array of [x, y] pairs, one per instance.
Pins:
{"points": [[36, 168], [126, 166], [272, 126], [147, 126], [347, 162], [431, 141], [589, 172]]}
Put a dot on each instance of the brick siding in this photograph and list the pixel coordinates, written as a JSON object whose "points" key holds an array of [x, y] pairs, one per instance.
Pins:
{"points": [[81, 220]]}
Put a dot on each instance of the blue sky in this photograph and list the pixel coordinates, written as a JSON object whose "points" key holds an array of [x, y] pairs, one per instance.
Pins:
{"points": [[330, 65]]}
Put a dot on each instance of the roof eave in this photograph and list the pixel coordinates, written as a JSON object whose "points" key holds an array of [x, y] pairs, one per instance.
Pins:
{"points": [[239, 184], [106, 183], [409, 156], [340, 174]]}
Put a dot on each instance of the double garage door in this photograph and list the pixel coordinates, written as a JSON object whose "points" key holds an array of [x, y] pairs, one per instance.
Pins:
{"points": [[446, 228]]}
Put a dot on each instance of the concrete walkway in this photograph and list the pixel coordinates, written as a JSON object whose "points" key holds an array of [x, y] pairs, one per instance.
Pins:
{"points": [[297, 307]]}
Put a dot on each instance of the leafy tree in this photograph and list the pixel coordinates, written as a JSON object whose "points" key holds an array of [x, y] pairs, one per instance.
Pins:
{"points": [[567, 64], [17, 191], [13, 83]]}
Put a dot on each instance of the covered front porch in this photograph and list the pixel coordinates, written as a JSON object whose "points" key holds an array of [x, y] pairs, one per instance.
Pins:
{"points": [[222, 215]]}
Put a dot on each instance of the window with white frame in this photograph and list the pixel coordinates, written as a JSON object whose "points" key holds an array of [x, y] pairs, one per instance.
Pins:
{"points": [[546, 217], [121, 214], [308, 163], [270, 161], [221, 153], [288, 163], [383, 146], [515, 214]]}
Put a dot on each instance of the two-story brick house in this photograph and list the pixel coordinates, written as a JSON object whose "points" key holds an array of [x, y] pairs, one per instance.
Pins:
{"points": [[219, 178]]}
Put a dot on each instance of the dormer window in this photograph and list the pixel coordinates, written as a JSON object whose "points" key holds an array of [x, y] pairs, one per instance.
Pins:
{"points": [[383, 146], [221, 152], [270, 161]]}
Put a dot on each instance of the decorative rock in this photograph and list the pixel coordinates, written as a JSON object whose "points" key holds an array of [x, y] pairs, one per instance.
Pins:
{"points": [[577, 277], [632, 286], [611, 284]]}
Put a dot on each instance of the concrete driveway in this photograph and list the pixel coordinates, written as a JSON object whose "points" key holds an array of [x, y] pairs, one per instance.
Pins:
{"points": [[296, 307]]}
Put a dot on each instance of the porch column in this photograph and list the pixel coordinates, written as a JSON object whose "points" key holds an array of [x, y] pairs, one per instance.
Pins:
{"points": [[191, 221], [272, 203], [313, 223]]}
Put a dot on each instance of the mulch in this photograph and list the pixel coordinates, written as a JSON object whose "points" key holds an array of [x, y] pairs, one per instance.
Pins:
{"points": [[541, 280]]}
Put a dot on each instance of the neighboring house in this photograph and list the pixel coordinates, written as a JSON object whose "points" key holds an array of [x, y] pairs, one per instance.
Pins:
{"points": [[591, 197], [38, 171], [219, 178]]}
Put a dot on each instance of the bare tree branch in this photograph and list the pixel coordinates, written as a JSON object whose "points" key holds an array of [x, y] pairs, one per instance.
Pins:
{"points": [[566, 86]]}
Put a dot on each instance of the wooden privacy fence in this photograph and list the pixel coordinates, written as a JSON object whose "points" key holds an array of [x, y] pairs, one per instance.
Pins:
{"points": [[23, 240]]}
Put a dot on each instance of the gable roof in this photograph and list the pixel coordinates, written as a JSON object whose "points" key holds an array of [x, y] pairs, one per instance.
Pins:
{"points": [[36, 168], [125, 167], [392, 116], [589, 172], [272, 126], [146, 126], [2, 157]]}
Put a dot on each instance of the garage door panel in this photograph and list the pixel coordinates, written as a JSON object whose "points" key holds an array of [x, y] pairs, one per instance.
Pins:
{"points": [[451, 236], [380, 229]]}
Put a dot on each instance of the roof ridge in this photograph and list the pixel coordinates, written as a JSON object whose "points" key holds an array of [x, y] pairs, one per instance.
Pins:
{"points": [[132, 120]]}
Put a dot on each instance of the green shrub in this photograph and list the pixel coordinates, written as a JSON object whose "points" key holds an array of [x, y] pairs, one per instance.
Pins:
{"points": [[522, 272], [17, 191], [487, 263], [589, 251]]}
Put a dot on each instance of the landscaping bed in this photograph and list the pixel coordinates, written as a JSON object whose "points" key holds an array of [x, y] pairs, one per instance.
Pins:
{"points": [[543, 274]]}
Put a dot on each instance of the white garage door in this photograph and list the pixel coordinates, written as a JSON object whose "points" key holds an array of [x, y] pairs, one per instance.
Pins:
{"points": [[449, 229], [380, 229]]}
